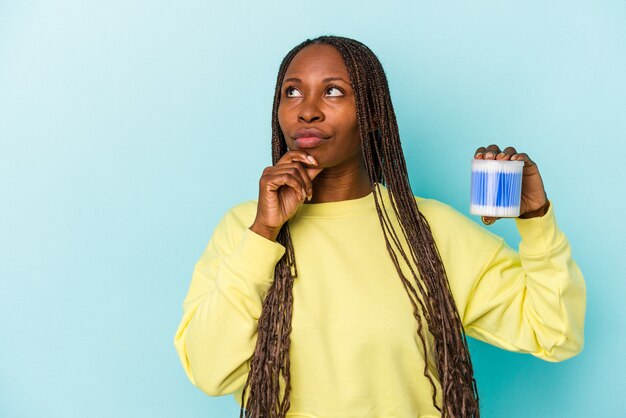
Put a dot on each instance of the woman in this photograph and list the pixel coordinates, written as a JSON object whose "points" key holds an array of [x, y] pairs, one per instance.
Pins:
{"points": [[334, 334]]}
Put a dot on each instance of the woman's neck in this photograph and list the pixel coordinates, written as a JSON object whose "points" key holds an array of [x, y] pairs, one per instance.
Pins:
{"points": [[334, 184]]}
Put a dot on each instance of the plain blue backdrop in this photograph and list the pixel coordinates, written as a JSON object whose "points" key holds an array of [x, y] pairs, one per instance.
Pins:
{"points": [[128, 128]]}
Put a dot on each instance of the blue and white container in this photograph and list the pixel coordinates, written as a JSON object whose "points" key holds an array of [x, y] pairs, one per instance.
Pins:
{"points": [[496, 188]]}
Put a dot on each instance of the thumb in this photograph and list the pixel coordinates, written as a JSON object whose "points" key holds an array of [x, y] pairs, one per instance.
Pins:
{"points": [[488, 220]]}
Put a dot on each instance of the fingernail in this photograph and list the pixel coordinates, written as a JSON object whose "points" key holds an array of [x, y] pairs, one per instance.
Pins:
{"points": [[479, 154], [489, 155], [501, 155], [311, 159], [309, 198], [303, 192]]}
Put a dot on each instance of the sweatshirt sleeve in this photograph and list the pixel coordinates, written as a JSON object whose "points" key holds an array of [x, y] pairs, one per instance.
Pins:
{"points": [[531, 301], [217, 334]]}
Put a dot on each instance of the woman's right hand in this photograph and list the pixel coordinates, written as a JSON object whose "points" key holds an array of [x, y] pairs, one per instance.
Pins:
{"points": [[282, 189]]}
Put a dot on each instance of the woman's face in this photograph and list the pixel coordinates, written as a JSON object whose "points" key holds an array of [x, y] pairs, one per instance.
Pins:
{"points": [[317, 109]]}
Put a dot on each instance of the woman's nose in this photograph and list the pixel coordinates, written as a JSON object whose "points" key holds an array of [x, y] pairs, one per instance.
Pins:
{"points": [[310, 112]]}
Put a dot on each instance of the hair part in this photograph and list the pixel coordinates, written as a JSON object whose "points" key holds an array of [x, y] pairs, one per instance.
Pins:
{"points": [[432, 300]]}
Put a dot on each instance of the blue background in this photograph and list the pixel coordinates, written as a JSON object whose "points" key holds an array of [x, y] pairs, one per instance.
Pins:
{"points": [[128, 128]]}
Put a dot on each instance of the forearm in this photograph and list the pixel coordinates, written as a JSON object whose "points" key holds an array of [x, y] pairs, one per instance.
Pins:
{"points": [[555, 285], [217, 334], [532, 301]]}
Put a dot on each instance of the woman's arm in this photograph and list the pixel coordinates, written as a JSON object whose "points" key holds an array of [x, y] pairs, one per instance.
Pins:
{"points": [[533, 301], [217, 334]]}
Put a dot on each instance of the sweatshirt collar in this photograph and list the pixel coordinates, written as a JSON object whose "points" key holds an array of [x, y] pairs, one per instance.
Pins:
{"points": [[340, 208]]}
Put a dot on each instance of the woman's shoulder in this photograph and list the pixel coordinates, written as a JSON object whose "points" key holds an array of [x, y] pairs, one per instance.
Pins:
{"points": [[232, 225], [434, 210], [240, 215], [431, 207], [444, 218], [243, 209]]}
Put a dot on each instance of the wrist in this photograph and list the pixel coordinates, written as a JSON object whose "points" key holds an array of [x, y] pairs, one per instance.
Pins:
{"points": [[537, 212], [265, 232]]}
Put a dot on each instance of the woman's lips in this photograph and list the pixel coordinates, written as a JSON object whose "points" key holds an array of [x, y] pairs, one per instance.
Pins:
{"points": [[309, 142]]}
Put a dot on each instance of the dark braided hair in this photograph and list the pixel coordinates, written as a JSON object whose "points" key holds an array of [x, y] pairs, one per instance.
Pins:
{"points": [[384, 163]]}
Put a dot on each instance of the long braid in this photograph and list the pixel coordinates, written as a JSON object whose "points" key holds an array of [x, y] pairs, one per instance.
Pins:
{"points": [[432, 301]]}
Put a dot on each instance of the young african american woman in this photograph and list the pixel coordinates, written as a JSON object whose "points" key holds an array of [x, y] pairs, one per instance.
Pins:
{"points": [[338, 293]]}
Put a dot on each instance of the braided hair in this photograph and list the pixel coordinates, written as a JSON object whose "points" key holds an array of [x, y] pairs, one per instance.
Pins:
{"points": [[432, 300]]}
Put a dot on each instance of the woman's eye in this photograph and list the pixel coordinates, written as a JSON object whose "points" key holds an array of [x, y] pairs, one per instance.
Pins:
{"points": [[290, 89], [331, 91], [338, 92]]}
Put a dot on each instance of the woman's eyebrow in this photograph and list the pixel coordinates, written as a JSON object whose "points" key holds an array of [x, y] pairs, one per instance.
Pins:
{"points": [[326, 80]]}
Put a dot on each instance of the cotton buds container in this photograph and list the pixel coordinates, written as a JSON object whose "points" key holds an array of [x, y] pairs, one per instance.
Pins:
{"points": [[496, 188]]}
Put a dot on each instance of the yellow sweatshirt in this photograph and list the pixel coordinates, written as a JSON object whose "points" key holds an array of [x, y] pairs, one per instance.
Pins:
{"points": [[354, 349]]}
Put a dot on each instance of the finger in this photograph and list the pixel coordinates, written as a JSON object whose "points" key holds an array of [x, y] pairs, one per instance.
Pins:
{"points": [[297, 170], [308, 174], [291, 172], [523, 157], [313, 172], [297, 155], [273, 178], [488, 220], [480, 153], [492, 151], [277, 181], [506, 154]]}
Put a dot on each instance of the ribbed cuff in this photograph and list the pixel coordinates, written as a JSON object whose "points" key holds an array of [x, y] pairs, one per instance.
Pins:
{"points": [[539, 235]]}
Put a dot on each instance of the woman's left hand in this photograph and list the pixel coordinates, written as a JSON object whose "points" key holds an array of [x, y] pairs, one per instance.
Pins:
{"points": [[534, 201]]}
